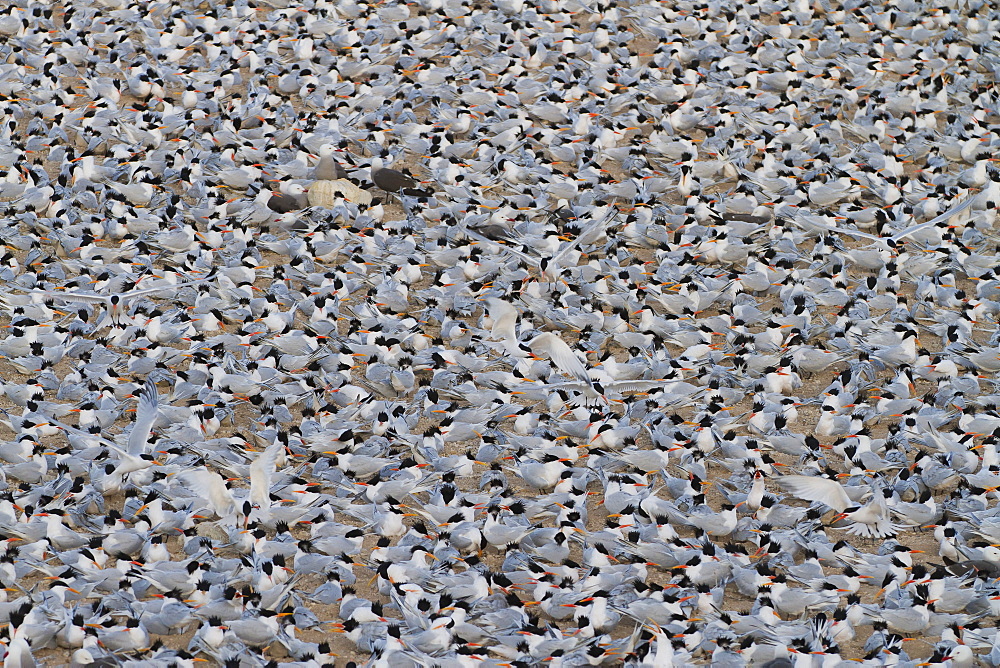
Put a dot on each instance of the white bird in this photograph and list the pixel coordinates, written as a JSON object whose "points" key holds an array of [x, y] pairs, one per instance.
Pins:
{"points": [[910, 620], [552, 346], [19, 654], [504, 317], [145, 416], [210, 486], [261, 471]]}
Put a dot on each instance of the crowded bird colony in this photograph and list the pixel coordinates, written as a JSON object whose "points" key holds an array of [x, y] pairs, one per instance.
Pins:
{"points": [[497, 333]]}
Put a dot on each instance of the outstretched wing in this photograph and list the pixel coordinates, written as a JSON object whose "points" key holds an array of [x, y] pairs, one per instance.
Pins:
{"points": [[561, 355], [145, 416], [812, 488]]}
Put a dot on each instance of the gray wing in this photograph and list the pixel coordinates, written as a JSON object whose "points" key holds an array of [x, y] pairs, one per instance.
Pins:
{"points": [[94, 298], [110, 445], [70, 296], [503, 247], [149, 291], [839, 230], [585, 235], [638, 385], [957, 209]]}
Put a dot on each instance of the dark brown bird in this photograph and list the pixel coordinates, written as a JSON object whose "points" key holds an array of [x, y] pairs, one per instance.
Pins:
{"points": [[294, 200], [395, 181]]}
